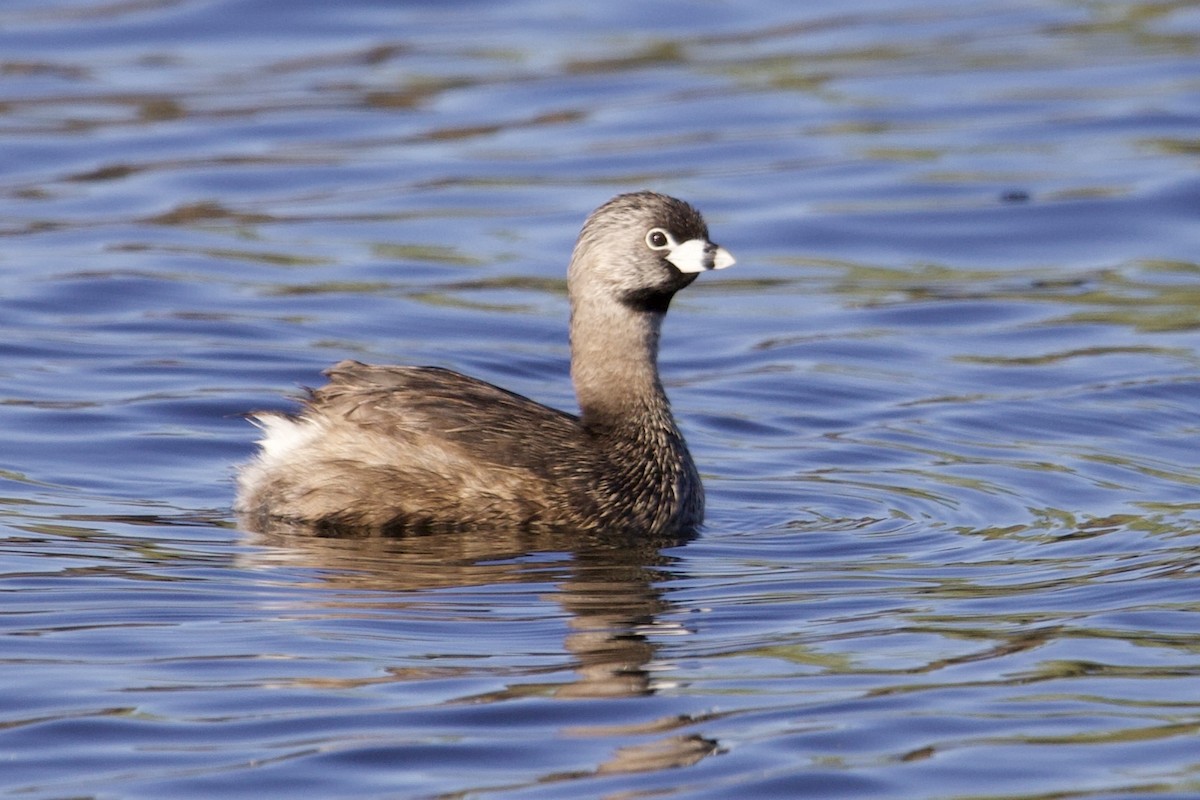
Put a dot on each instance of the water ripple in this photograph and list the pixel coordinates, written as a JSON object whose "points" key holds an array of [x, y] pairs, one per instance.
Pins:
{"points": [[944, 406]]}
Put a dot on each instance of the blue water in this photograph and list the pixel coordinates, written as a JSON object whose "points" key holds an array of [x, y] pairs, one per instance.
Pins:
{"points": [[945, 405]]}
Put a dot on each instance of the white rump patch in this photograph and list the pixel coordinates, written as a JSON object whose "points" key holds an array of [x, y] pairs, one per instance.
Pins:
{"points": [[283, 436]]}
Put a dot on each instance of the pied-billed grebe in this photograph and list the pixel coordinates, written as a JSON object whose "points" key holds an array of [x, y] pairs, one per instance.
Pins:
{"points": [[397, 448]]}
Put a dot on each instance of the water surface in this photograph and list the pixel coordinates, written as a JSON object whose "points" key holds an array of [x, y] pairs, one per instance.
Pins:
{"points": [[945, 404]]}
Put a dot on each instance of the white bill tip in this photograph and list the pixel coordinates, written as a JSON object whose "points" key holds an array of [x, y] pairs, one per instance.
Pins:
{"points": [[698, 255]]}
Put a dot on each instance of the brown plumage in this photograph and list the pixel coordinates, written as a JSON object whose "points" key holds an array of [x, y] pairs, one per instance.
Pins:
{"points": [[400, 448]]}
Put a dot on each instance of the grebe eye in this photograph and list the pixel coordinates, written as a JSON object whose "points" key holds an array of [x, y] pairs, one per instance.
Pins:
{"points": [[658, 239]]}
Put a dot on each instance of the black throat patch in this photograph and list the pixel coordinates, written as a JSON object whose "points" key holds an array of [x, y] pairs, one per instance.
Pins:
{"points": [[654, 301]]}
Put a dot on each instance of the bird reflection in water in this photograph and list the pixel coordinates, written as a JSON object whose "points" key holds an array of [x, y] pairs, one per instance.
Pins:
{"points": [[608, 585]]}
